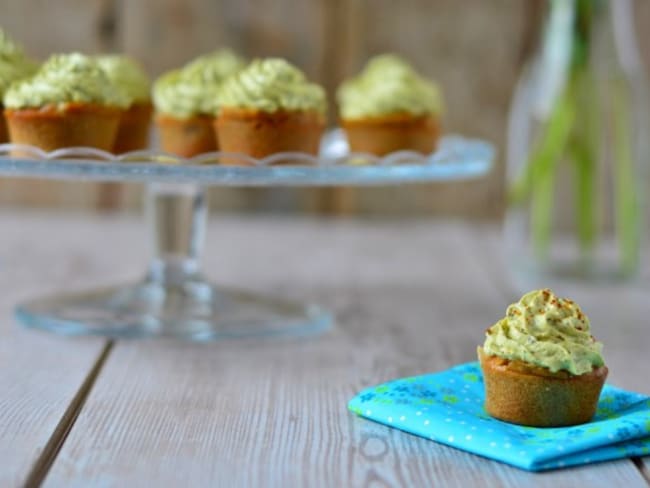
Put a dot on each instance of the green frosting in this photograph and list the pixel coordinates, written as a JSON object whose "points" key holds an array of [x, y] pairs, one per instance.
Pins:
{"points": [[272, 84], [63, 79], [127, 75], [193, 89], [545, 330], [14, 65], [388, 85]]}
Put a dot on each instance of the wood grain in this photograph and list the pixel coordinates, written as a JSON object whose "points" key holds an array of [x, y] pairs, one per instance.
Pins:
{"points": [[40, 375], [273, 413], [644, 464]]}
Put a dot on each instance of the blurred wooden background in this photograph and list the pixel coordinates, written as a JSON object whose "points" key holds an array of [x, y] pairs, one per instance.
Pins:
{"points": [[474, 48]]}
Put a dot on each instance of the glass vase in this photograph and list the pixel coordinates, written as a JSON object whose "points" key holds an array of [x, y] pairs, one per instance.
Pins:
{"points": [[578, 147]]}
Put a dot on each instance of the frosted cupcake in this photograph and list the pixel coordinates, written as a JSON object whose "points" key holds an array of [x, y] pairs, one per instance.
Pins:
{"points": [[14, 66], [128, 76], [389, 107], [270, 107], [186, 101], [68, 102], [541, 365]]}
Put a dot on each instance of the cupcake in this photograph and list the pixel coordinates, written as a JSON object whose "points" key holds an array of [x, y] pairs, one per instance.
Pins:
{"points": [[14, 65], [185, 102], [270, 107], [389, 107], [541, 365], [68, 102], [128, 76]]}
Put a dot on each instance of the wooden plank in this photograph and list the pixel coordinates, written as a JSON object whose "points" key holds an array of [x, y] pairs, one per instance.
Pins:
{"points": [[41, 376], [167, 34], [72, 25], [409, 298], [645, 468]]}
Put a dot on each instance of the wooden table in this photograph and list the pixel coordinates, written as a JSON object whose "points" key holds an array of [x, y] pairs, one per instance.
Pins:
{"points": [[410, 297]]}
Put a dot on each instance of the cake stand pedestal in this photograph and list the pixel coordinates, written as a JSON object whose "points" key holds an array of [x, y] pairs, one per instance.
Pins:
{"points": [[174, 299]]}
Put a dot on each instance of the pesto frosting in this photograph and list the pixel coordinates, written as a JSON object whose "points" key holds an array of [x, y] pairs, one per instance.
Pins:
{"points": [[388, 85], [14, 65], [192, 90], [66, 78], [272, 84], [545, 330], [127, 75]]}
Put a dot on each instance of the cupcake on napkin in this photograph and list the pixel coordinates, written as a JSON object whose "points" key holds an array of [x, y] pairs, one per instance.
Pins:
{"points": [[70, 101], [389, 107], [270, 107], [125, 73], [185, 102], [541, 365], [14, 65]]}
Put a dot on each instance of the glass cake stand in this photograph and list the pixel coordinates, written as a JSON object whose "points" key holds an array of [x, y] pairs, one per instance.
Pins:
{"points": [[174, 299]]}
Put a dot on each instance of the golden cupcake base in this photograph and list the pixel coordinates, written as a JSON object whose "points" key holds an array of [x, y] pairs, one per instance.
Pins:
{"points": [[75, 124], [260, 134], [133, 131], [383, 135], [528, 395], [4, 133], [186, 137]]}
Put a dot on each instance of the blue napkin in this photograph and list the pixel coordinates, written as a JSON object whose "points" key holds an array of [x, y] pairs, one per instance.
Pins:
{"points": [[447, 407]]}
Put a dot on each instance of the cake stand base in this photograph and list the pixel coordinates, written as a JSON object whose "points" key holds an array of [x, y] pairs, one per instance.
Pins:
{"points": [[174, 300], [195, 310]]}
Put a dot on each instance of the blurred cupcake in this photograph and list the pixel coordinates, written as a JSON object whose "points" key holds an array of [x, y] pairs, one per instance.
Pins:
{"points": [[128, 76], [270, 107], [68, 102], [14, 65], [185, 102], [389, 107]]}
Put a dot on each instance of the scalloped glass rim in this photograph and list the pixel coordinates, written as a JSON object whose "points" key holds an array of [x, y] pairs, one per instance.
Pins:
{"points": [[457, 158]]}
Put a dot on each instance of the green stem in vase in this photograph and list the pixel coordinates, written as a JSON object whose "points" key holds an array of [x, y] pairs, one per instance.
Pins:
{"points": [[538, 180], [627, 206], [583, 151], [541, 213], [585, 197], [572, 132]]}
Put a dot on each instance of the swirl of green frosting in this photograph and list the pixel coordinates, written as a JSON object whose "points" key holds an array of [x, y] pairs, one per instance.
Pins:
{"points": [[388, 85], [192, 90], [63, 79], [545, 330], [127, 75], [14, 65], [272, 84]]}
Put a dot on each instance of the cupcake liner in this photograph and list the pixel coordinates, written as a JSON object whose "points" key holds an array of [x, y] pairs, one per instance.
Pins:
{"points": [[186, 137], [260, 134], [4, 133], [539, 399], [51, 128], [133, 130], [384, 135]]}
